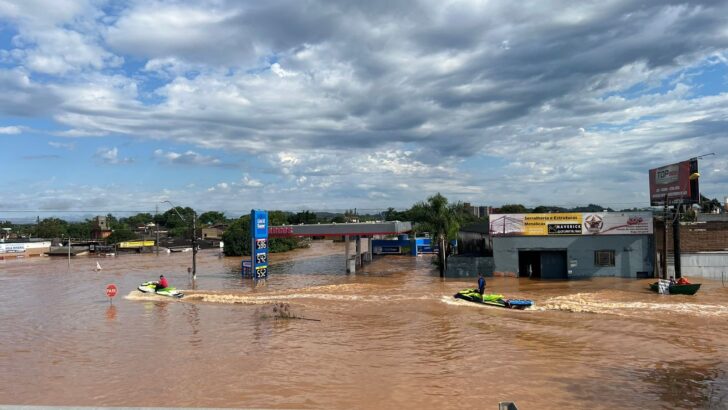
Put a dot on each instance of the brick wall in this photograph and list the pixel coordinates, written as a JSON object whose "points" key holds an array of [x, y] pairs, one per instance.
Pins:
{"points": [[695, 237]]}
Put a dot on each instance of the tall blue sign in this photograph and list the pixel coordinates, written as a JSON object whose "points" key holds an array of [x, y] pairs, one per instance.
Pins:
{"points": [[259, 243]]}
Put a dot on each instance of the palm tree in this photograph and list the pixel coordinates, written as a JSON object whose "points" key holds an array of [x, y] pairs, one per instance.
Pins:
{"points": [[441, 220]]}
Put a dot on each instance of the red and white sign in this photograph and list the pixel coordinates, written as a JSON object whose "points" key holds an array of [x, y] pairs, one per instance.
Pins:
{"points": [[672, 183], [111, 290]]}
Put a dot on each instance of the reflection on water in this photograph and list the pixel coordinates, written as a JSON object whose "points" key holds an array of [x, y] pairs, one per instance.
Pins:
{"points": [[312, 336]]}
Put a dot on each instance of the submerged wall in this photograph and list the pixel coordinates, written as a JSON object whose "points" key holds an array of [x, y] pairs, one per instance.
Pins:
{"points": [[469, 266], [632, 254]]}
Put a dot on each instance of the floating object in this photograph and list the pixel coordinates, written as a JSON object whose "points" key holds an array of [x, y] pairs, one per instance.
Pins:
{"points": [[675, 289], [98, 266], [151, 287], [472, 295]]}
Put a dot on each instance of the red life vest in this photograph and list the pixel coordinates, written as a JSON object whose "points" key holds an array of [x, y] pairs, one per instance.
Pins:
{"points": [[163, 282]]}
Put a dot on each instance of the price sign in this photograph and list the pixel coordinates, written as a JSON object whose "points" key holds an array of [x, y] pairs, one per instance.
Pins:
{"points": [[259, 242], [111, 290], [261, 258]]}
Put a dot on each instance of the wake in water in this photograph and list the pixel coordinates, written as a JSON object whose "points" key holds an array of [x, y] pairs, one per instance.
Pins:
{"points": [[336, 293], [594, 303]]}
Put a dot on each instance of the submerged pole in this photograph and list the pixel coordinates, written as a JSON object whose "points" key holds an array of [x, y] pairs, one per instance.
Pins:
{"points": [[676, 242]]}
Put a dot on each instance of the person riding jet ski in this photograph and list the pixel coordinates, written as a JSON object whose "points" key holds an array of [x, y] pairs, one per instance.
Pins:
{"points": [[162, 283]]}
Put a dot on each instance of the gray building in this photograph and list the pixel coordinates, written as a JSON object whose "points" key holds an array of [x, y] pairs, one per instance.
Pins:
{"points": [[573, 245]]}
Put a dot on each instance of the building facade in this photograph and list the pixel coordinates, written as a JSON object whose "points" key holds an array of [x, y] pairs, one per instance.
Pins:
{"points": [[573, 245]]}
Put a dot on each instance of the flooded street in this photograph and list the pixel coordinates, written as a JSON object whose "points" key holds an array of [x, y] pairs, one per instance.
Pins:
{"points": [[389, 336]]}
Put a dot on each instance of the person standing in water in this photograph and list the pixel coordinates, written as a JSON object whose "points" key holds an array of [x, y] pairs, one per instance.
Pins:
{"points": [[481, 283]]}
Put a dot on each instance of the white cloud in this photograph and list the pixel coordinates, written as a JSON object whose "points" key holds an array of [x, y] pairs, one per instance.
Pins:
{"points": [[11, 130], [479, 100], [62, 145], [111, 156], [186, 158]]}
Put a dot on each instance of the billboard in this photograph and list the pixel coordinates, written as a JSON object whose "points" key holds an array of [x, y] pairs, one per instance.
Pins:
{"points": [[575, 223], [671, 184]]}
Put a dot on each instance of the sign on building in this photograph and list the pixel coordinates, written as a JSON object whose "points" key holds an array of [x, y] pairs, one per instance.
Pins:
{"points": [[576, 223]]}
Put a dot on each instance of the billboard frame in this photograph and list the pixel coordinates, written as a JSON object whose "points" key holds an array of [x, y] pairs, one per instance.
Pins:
{"points": [[673, 184]]}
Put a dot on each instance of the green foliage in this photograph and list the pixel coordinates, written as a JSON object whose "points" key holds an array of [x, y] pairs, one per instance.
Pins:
{"points": [[305, 217], [339, 219], [80, 230], [170, 219], [237, 237], [121, 234], [212, 218], [284, 244], [277, 218], [51, 228], [708, 205], [441, 220], [137, 220], [392, 215], [589, 208], [513, 209]]}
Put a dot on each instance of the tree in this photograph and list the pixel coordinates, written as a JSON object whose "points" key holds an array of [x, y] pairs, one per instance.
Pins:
{"points": [[121, 234], [176, 226], [212, 218], [237, 237], [513, 209], [80, 230], [305, 217], [277, 218], [51, 228], [441, 220], [138, 219]]}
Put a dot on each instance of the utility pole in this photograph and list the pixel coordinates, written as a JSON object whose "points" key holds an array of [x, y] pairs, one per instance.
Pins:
{"points": [[194, 245], [663, 262], [676, 241], [194, 240], [156, 226]]}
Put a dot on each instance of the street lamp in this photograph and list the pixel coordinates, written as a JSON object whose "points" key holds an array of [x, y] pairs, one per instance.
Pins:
{"points": [[194, 238]]}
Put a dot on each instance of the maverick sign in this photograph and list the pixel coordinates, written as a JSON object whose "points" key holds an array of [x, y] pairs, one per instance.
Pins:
{"points": [[575, 223]]}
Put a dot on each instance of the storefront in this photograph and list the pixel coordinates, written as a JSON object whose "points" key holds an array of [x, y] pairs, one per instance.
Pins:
{"points": [[573, 245]]}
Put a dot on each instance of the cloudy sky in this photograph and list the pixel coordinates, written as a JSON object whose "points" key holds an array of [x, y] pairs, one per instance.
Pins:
{"points": [[229, 105]]}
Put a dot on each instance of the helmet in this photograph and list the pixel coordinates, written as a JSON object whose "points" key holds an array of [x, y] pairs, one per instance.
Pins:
{"points": [[161, 276]]}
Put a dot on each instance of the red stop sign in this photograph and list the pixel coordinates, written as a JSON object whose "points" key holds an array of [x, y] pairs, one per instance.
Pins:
{"points": [[111, 290]]}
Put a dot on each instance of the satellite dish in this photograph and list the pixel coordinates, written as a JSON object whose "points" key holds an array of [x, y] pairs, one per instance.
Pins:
{"points": [[694, 176]]}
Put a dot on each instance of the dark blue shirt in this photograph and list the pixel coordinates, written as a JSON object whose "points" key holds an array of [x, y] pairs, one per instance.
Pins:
{"points": [[481, 284]]}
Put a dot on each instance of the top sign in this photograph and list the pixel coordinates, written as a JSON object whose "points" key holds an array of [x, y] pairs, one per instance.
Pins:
{"points": [[671, 184], [111, 290]]}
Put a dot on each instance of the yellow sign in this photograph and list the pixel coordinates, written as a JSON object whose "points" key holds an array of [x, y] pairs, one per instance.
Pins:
{"points": [[552, 224], [135, 244]]}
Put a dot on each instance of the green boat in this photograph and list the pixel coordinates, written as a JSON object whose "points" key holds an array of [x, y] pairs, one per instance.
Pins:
{"points": [[675, 289], [472, 295]]}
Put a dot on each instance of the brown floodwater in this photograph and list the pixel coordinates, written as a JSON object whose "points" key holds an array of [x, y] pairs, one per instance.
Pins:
{"points": [[389, 336]]}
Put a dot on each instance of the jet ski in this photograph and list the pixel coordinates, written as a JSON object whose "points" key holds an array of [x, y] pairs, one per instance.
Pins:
{"points": [[150, 287], [472, 295]]}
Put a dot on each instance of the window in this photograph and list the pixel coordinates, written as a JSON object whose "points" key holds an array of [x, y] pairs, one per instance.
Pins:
{"points": [[604, 258]]}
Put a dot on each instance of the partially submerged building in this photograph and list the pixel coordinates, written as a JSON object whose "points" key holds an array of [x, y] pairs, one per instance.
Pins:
{"points": [[573, 245]]}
